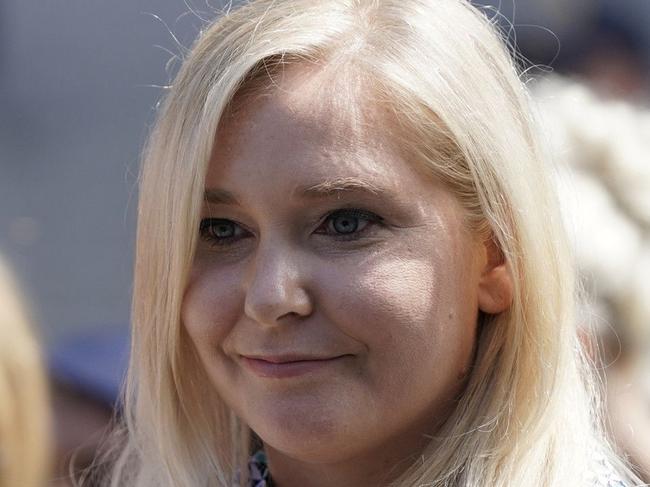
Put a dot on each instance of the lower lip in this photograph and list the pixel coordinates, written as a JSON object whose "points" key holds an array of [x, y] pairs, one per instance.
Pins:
{"points": [[285, 370]]}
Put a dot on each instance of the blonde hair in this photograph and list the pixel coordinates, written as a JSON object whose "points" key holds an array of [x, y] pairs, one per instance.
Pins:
{"points": [[24, 407], [527, 416]]}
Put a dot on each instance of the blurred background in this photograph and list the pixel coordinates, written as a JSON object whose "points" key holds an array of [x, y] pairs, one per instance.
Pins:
{"points": [[79, 83]]}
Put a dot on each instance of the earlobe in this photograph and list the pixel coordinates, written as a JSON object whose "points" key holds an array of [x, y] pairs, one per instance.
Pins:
{"points": [[495, 289]]}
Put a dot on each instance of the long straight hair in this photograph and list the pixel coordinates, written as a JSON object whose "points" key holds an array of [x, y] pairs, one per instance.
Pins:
{"points": [[528, 416]]}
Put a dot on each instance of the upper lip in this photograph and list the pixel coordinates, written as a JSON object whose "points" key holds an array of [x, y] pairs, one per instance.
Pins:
{"points": [[291, 357]]}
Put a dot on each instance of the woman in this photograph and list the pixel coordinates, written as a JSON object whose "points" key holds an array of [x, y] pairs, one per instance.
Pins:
{"points": [[350, 264]]}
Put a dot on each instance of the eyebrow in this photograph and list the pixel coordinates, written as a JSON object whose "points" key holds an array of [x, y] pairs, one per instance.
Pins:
{"points": [[327, 188], [220, 196], [337, 185]]}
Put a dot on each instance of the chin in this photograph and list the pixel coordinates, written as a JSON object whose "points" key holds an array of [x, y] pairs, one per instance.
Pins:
{"points": [[311, 437]]}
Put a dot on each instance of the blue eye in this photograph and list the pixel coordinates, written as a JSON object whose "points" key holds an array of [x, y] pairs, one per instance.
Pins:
{"points": [[348, 223], [219, 231], [343, 224]]}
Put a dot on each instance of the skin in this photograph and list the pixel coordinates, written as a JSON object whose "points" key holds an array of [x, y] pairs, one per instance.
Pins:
{"points": [[392, 302]]}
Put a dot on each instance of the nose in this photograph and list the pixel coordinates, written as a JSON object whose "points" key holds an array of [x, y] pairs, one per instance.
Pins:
{"points": [[276, 287]]}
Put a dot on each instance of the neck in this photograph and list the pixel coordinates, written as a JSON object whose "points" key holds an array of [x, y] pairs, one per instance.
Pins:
{"points": [[380, 466], [361, 472]]}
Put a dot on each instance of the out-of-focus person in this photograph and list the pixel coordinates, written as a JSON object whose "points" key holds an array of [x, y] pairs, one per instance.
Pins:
{"points": [[613, 60], [602, 42], [24, 409], [86, 369], [605, 187]]}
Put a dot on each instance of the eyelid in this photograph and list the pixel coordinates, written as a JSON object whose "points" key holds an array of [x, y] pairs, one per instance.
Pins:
{"points": [[368, 215]]}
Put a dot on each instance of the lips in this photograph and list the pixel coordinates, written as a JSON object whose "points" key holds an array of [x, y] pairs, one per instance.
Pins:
{"points": [[287, 366]]}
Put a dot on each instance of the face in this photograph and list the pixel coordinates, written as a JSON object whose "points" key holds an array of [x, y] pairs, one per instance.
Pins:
{"points": [[334, 295]]}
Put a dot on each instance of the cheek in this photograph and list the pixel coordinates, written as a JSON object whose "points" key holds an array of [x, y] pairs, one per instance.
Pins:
{"points": [[390, 299], [211, 305], [383, 300], [414, 312]]}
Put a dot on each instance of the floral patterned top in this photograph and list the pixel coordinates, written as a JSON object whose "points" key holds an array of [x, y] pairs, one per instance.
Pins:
{"points": [[258, 471], [603, 475]]}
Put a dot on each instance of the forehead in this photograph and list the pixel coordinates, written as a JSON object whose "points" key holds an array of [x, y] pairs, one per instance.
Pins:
{"points": [[317, 100], [309, 122]]}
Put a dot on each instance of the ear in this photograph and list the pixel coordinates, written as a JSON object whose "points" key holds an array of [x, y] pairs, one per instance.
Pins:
{"points": [[495, 289]]}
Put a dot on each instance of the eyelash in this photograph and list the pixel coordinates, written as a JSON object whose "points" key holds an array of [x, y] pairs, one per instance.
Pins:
{"points": [[207, 227]]}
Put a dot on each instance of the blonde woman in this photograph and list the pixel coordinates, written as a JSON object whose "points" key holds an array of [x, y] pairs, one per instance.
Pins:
{"points": [[351, 270], [24, 410]]}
